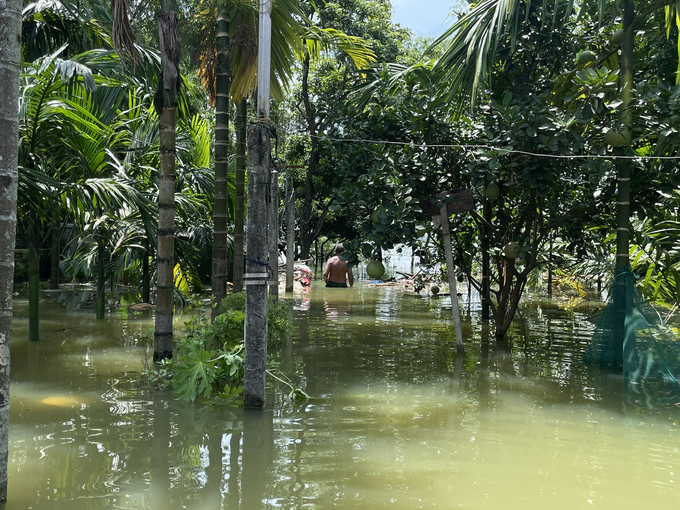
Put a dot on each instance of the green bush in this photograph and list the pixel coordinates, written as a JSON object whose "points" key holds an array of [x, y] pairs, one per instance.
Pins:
{"points": [[279, 323], [209, 360]]}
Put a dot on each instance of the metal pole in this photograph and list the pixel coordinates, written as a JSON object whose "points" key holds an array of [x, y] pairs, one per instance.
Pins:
{"points": [[264, 59]]}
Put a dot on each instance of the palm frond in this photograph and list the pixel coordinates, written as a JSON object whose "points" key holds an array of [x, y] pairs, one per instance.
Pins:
{"points": [[473, 41], [323, 39]]}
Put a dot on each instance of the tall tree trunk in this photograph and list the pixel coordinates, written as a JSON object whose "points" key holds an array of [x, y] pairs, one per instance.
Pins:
{"points": [[486, 262], [239, 206], [55, 255], [34, 282], [166, 105], [623, 195], [146, 277], [10, 59], [101, 279], [219, 248], [306, 230]]}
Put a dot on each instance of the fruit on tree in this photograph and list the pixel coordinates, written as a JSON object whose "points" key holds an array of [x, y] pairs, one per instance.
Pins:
{"points": [[586, 57], [617, 36], [492, 190], [376, 212], [375, 269], [511, 250], [618, 138]]}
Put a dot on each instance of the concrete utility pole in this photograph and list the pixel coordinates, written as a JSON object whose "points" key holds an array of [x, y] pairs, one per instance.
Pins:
{"points": [[290, 240], [258, 267], [451, 271], [273, 232]]}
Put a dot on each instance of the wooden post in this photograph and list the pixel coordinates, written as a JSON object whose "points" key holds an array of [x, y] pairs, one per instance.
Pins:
{"points": [[450, 269], [290, 241], [273, 231], [486, 263]]}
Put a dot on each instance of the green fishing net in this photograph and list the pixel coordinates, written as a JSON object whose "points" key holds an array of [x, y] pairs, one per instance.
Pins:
{"points": [[632, 339]]}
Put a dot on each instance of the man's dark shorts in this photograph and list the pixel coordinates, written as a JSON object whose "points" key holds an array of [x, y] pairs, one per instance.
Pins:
{"points": [[336, 284]]}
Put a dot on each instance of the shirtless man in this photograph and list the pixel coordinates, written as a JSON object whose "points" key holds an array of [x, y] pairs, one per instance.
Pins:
{"points": [[336, 270]]}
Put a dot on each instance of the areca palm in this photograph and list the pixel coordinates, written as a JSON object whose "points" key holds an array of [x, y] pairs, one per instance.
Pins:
{"points": [[49, 85], [234, 78], [10, 61], [79, 128], [49, 25]]}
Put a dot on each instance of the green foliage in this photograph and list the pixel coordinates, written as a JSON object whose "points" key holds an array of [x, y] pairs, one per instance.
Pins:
{"points": [[279, 322], [209, 359]]}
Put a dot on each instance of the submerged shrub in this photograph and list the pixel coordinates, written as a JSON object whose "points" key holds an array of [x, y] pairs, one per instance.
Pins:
{"points": [[279, 323], [209, 359]]}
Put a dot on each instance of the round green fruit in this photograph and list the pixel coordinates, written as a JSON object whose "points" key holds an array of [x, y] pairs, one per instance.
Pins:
{"points": [[586, 57], [492, 190], [511, 250], [617, 139], [617, 37], [376, 212], [375, 269]]}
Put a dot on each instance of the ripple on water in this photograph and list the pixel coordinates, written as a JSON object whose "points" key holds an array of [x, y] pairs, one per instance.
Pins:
{"points": [[396, 420]]}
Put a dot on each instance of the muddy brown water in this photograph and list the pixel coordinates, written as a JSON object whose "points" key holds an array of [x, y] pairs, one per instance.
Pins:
{"points": [[395, 419]]}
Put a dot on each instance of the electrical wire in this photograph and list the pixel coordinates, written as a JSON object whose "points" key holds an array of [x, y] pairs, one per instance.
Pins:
{"points": [[501, 150]]}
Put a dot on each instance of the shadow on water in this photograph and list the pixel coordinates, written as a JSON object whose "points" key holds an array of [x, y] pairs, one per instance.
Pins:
{"points": [[395, 420]]}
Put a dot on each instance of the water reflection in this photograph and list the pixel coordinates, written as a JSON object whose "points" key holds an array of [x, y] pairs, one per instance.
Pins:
{"points": [[396, 418]]}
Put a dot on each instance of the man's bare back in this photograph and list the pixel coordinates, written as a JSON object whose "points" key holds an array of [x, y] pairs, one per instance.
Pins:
{"points": [[337, 272]]}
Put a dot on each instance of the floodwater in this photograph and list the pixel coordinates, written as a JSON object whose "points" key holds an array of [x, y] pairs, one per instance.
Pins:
{"points": [[395, 420]]}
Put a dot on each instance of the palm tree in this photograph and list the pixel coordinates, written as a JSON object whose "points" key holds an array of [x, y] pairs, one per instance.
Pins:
{"points": [[166, 106], [70, 133], [222, 102], [10, 33], [53, 89], [234, 77]]}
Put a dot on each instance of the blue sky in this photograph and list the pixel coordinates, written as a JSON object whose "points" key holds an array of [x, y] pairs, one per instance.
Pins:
{"points": [[424, 17]]}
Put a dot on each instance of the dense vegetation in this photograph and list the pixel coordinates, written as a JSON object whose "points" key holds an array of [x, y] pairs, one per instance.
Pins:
{"points": [[372, 124]]}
